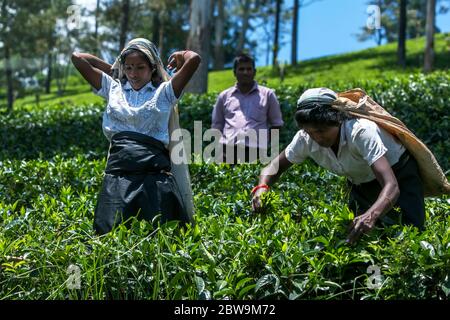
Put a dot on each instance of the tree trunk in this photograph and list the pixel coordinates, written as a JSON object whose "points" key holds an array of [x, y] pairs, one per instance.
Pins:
{"points": [[219, 56], [277, 33], [378, 32], [124, 24], [245, 18], [401, 49], [198, 41], [156, 25], [429, 46], [161, 36], [97, 12], [48, 80], [9, 78], [7, 56], [294, 33]]}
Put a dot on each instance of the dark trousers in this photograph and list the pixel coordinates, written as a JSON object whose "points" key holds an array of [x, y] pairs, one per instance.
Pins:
{"points": [[411, 200]]}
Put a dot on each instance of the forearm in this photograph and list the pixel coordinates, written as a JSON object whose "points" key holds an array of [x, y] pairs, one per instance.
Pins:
{"points": [[191, 61], [271, 173], [91, 74], [385, 201], [96, 62], [269, 179]]}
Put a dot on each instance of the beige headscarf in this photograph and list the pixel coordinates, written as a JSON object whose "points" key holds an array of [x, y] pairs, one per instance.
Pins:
{"points": [[149, 49], [180, 171]]}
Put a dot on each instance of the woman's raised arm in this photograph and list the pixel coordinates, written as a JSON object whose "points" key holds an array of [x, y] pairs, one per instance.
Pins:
{"points": [[91, 68], [186, 62]]}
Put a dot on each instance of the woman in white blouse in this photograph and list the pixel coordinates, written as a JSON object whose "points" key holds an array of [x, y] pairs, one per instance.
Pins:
{"points": [[379, 170], [140, 99]]}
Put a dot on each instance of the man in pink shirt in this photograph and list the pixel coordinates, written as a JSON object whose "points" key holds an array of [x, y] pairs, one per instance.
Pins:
{"points": [[245, 113]]}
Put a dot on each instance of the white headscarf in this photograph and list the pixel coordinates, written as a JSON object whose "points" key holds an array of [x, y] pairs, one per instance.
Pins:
{"points": [[316, 95], [149, 49]]}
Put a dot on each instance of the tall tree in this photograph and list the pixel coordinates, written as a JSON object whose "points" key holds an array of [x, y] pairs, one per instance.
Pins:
{"points": [[96, 38], [219, 55], [401, 46], [21, 49], [5, 38], [245, 23], [276, 33], [416, 14], [199, 40], [294, 32], [429, 45], [124, 23]]}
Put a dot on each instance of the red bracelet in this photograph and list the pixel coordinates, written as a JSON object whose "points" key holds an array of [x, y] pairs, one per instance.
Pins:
{"points": [[259, 186]]}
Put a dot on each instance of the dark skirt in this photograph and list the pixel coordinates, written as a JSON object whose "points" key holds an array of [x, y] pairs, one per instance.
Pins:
{"points": [[137, 183], [410, 202]]}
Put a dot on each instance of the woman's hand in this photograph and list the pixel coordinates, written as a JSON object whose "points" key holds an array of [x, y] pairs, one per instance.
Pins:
{"points": [[176, 61], [360, 225], [185, 63], [256, 200], [386, 199]]}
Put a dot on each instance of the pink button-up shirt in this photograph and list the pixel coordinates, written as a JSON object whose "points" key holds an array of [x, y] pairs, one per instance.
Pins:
{"points": [[235, 113]]}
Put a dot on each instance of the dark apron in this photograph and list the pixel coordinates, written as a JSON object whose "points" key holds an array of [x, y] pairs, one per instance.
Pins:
{"points": [[137, 183], [411, 200]]}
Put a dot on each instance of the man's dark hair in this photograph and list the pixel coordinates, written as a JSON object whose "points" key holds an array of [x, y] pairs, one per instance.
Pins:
{"points": [[320, 115], [241, 58]]}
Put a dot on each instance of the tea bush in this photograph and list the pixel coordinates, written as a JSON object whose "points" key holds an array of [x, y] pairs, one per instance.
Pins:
{"points": [[51, 167]]}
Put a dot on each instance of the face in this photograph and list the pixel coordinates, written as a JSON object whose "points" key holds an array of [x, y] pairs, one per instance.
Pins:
{"points": [[137, 70], [324, 136], [245, 73]]}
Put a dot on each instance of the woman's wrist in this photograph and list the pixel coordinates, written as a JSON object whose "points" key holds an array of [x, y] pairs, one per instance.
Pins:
{"points": [[260, 186], [184, 54]]}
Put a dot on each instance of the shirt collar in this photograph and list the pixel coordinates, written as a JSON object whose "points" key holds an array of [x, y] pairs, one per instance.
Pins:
{"points": [[148, 86], [255, 87]]}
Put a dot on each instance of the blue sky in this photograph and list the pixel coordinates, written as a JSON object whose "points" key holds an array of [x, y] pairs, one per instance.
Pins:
{"points": [[328, 26]]}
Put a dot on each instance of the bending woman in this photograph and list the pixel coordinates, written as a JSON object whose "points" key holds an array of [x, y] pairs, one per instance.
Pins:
{"points": [[140, 98], [380, 171]]}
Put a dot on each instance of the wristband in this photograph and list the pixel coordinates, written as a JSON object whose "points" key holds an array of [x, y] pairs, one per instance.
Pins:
{"points": [[259, 186]]}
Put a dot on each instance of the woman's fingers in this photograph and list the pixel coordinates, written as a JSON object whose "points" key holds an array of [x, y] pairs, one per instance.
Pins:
{"points": [[355, 231], [256, 204], [175, 60]]}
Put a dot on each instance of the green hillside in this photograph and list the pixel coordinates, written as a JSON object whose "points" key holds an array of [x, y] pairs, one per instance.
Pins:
{"points": [[374, 63]]}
